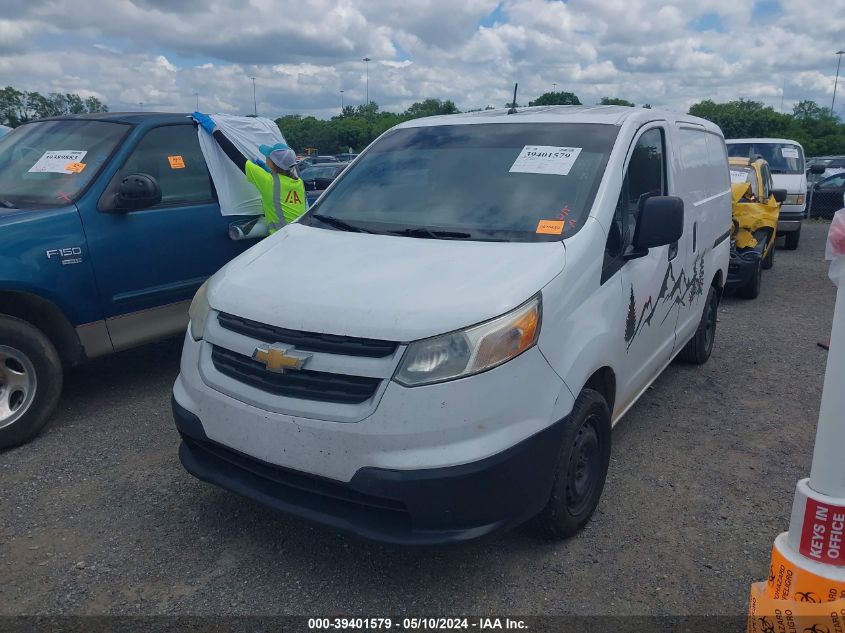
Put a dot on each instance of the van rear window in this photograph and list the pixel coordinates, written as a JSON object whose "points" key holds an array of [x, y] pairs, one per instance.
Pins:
{"points": [[507, 181]]}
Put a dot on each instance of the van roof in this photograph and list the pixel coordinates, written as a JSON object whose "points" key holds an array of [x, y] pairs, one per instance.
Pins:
{"points": [[762, 140], [609, 115]]}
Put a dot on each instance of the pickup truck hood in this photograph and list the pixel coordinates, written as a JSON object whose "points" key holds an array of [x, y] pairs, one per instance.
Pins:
{"points": [[10, 215], [793, 183], [380, 286]]}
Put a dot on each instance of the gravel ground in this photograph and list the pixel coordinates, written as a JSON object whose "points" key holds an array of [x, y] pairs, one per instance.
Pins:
{"points": [[98, 517]]}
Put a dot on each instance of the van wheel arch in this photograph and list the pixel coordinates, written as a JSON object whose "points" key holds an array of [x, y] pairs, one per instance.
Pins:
{"points": [[47, 317], [603, 381]]}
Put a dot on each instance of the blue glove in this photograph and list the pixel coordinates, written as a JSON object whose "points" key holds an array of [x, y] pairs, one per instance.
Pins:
{"points": [[204, 121], [261, 164]]}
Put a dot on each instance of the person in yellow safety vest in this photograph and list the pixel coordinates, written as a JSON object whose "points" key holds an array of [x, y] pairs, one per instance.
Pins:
{"points": [[282, 190]]}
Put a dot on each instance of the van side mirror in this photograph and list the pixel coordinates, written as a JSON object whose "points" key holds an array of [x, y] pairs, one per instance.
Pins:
{"points": [[661, 223], [137, 191], [817, 168], [779, 195]]}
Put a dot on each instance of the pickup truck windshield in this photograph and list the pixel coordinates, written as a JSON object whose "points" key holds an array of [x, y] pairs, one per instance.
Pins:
{"points": [[504, 181], [49, 163], [783, 158]]}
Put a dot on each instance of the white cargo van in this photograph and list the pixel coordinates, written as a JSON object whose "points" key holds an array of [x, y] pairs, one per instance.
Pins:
{"points": [[786, 161], [439, 348]]}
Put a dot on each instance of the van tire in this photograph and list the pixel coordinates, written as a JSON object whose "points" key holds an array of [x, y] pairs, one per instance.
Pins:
{"points": [[581, 468], [792, 239], [700, 346], [751, 290], [30, 381], [769, 259]]}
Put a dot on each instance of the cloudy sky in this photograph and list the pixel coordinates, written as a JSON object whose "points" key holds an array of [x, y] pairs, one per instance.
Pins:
{"points": [[302, 53]]}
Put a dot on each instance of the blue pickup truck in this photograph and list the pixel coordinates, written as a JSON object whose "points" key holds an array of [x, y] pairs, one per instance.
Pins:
{"points": [[109, 223]]}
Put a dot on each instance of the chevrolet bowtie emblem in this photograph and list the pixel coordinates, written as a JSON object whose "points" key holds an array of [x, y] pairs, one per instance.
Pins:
{"points": [[280, 358]]}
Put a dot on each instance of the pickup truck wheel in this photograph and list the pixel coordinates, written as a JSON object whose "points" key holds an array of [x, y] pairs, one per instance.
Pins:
{"points": [[30, 381], [791, 242], [769, 259], [700, 346], [581, 469], [751, 290]]}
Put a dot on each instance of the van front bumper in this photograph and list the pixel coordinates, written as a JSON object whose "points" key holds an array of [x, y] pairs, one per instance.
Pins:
{"points": [[403, 507], [790, 218]]}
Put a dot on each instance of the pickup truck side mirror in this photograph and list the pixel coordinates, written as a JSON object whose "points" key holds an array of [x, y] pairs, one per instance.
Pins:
{"points": [[779, 195], [661, 222], [817, 169], [137, 191]]}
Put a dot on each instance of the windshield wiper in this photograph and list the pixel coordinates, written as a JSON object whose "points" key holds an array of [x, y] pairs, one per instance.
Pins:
{"points": [[339, 224], [421, 231]]}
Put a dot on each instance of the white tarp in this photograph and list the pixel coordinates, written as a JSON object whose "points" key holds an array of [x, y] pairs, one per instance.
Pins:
{"points": [[237, 196]]}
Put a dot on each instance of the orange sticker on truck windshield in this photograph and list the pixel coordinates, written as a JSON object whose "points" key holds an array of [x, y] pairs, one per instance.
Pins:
{"points": [[75, 168], [176, 162], [550, 227]]}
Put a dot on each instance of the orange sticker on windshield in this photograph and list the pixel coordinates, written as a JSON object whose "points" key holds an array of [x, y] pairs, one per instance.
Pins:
{"points": [[550, 227], [176, 162], [75, 168]]}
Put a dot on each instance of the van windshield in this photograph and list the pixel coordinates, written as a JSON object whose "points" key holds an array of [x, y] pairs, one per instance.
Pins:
{"points": [[506, 181], [49, 163], [783, 158]]}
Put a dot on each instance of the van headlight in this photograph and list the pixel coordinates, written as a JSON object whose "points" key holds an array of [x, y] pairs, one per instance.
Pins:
{"points": [[198, 312], [472, 350], [794, 198]]}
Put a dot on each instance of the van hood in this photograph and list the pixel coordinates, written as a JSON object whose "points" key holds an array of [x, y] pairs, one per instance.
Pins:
{"points": [[793, 183], [379, 286]]}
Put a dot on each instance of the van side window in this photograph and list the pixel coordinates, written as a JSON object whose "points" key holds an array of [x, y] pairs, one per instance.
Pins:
{"points": [[646, 177]]}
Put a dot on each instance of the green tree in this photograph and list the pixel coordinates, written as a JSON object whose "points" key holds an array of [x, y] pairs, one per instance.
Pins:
{"points": [[615, 101], [556, 98], [430, 107]]}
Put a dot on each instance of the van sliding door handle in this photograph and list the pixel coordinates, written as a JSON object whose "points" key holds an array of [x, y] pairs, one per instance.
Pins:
{"points": [[694, 236]]}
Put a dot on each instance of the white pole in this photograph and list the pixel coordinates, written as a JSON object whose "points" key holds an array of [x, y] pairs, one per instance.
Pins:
{"points": [[827, 475]]}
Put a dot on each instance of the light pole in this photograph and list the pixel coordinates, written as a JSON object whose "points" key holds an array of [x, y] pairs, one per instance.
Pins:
{"points": [[554, 87], [140, 105], [367, 61], [254, 102], [836, 81], [341, 101], [197, 95]]}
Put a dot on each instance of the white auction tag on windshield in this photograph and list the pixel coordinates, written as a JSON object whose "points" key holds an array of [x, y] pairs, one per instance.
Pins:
{"points": [[55, 161], [789, 152], [737, 175], [545, 159]]}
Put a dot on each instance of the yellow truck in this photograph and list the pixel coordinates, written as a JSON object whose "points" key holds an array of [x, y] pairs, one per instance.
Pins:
{"points": [[756, 207]]}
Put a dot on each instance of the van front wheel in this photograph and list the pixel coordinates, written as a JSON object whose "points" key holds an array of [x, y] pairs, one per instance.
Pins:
{"points": [[30, 381], [581, 469]]}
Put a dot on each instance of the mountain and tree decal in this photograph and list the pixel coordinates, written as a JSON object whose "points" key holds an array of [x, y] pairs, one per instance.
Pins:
{"points": [[675, 291]]}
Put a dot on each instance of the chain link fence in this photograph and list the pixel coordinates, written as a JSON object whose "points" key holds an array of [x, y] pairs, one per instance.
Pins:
{"points": [[824, 204]]}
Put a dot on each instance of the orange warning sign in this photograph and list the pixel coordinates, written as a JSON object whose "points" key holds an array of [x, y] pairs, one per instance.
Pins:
{"points": [[176, 162], [767, 615], [550, 227], [75, 168], [788, 582]]}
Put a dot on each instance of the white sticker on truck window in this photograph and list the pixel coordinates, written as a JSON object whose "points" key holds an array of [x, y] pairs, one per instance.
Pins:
{"points": [[737, 175], [789, 152], [55, 161], [545, 159]]}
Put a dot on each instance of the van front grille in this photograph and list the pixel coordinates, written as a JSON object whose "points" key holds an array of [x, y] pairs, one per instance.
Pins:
{"points": [[308, 341], [302, 384]]}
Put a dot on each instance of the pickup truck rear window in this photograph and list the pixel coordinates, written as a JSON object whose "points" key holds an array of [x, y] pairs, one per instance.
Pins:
{"points": [[49, 163], [522, 182]]}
